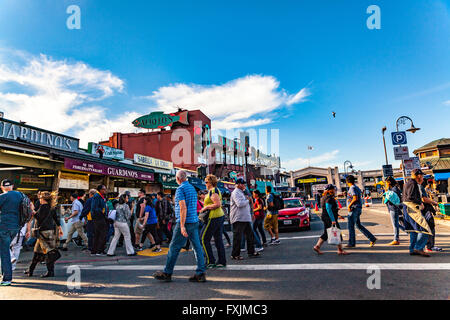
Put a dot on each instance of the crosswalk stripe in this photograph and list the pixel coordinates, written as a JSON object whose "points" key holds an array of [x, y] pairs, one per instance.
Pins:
{"points": [[264, 267]]}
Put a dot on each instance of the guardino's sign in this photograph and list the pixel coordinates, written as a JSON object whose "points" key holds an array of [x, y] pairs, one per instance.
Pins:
{"points": [[158, 120]]}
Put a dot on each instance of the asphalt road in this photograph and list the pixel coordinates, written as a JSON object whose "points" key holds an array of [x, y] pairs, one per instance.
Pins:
{"points": [[290, 270]]}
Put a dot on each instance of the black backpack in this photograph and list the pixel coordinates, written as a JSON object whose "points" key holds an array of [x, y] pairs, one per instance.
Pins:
{"points": [[25, 212], [278, 202]]}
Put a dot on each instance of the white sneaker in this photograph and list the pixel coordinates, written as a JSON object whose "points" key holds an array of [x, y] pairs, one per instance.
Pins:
{"points": [[242, 250], [259, 249]]}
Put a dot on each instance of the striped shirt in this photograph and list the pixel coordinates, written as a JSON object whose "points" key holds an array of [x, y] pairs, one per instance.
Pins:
{"points": [[187, 193]]}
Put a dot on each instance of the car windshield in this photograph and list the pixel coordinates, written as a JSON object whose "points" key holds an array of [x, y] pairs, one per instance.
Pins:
{"points": [[292, 203]]}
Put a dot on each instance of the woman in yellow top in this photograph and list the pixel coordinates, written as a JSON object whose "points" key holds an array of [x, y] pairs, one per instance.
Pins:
{"points": [[214, 226]]}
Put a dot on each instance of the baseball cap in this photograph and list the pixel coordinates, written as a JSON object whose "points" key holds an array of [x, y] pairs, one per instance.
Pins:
{"points": [[417, 172], [6, 183], [240, 181], [330, 187]]}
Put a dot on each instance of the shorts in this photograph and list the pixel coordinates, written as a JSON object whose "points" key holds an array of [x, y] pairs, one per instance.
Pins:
{"points": [[271, 223]]}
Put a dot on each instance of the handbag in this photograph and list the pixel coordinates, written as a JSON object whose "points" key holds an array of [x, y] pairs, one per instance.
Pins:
{"points": [[204, 216], [112, 215], [334, 236]]}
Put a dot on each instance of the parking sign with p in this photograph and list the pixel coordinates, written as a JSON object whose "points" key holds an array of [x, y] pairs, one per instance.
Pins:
{"points": [[399, 138]]}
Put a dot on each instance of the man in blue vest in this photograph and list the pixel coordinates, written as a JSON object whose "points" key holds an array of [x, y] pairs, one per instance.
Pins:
{"points": [[10, 202]]}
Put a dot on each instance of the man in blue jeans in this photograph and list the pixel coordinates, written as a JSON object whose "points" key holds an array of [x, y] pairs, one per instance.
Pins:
{"points": [[354, 205], [9, 226], [186, 227], [415, 223]]}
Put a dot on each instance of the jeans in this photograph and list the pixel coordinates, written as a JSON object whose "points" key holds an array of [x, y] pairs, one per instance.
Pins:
{"points": [[255, 237], [200, 228], [430, 243], [214, 228], [394, 220], [6, 236], [417, 241], [354, 219], [178, 241], [258, 226]]}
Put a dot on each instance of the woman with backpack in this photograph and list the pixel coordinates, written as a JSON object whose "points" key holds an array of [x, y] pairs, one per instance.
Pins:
{"points": [[121, 226], [151, 224], [393, 190], [259, 214], [47, 230]]}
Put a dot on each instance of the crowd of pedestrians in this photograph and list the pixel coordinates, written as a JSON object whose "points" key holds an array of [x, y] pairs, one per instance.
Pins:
{"points": [[193, 210], [197, 219], [411, 210]]}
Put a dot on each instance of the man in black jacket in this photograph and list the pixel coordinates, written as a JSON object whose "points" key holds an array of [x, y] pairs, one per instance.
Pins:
{"points": [[86, 214], [163, 211], [99, 212]]}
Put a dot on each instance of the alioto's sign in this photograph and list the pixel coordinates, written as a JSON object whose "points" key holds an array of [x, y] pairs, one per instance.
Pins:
{"points": [[158, 120], [18, 131]]}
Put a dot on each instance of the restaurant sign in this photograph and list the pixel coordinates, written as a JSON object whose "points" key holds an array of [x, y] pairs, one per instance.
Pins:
{"points": [[152, 162], [20, 132], [105, 151], [158, 120], [73, 181], [96, 168], [311, 180], [30, 179]]}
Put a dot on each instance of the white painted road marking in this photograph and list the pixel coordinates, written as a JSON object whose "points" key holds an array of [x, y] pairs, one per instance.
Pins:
{"points": [[309, 266], [358, 235]]}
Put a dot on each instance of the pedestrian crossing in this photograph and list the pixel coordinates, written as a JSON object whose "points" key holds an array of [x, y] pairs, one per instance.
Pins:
{"points": [[273, 267]]}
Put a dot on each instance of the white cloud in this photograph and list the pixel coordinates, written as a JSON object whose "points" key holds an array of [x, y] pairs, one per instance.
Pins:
{"points": [[447, 103], [59, 95], [242, 102], [68, 97], [320, 160]]}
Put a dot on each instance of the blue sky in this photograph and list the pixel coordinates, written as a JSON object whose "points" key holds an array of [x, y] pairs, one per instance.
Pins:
{"points": [[281, 64]]}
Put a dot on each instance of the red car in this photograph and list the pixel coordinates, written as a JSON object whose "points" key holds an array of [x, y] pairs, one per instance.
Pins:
{"points": [[294, 215]]}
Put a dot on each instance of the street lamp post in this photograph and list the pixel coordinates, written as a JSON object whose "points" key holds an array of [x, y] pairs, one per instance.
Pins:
{"points": [[347, 162], [413, 129], [383, 130]]}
